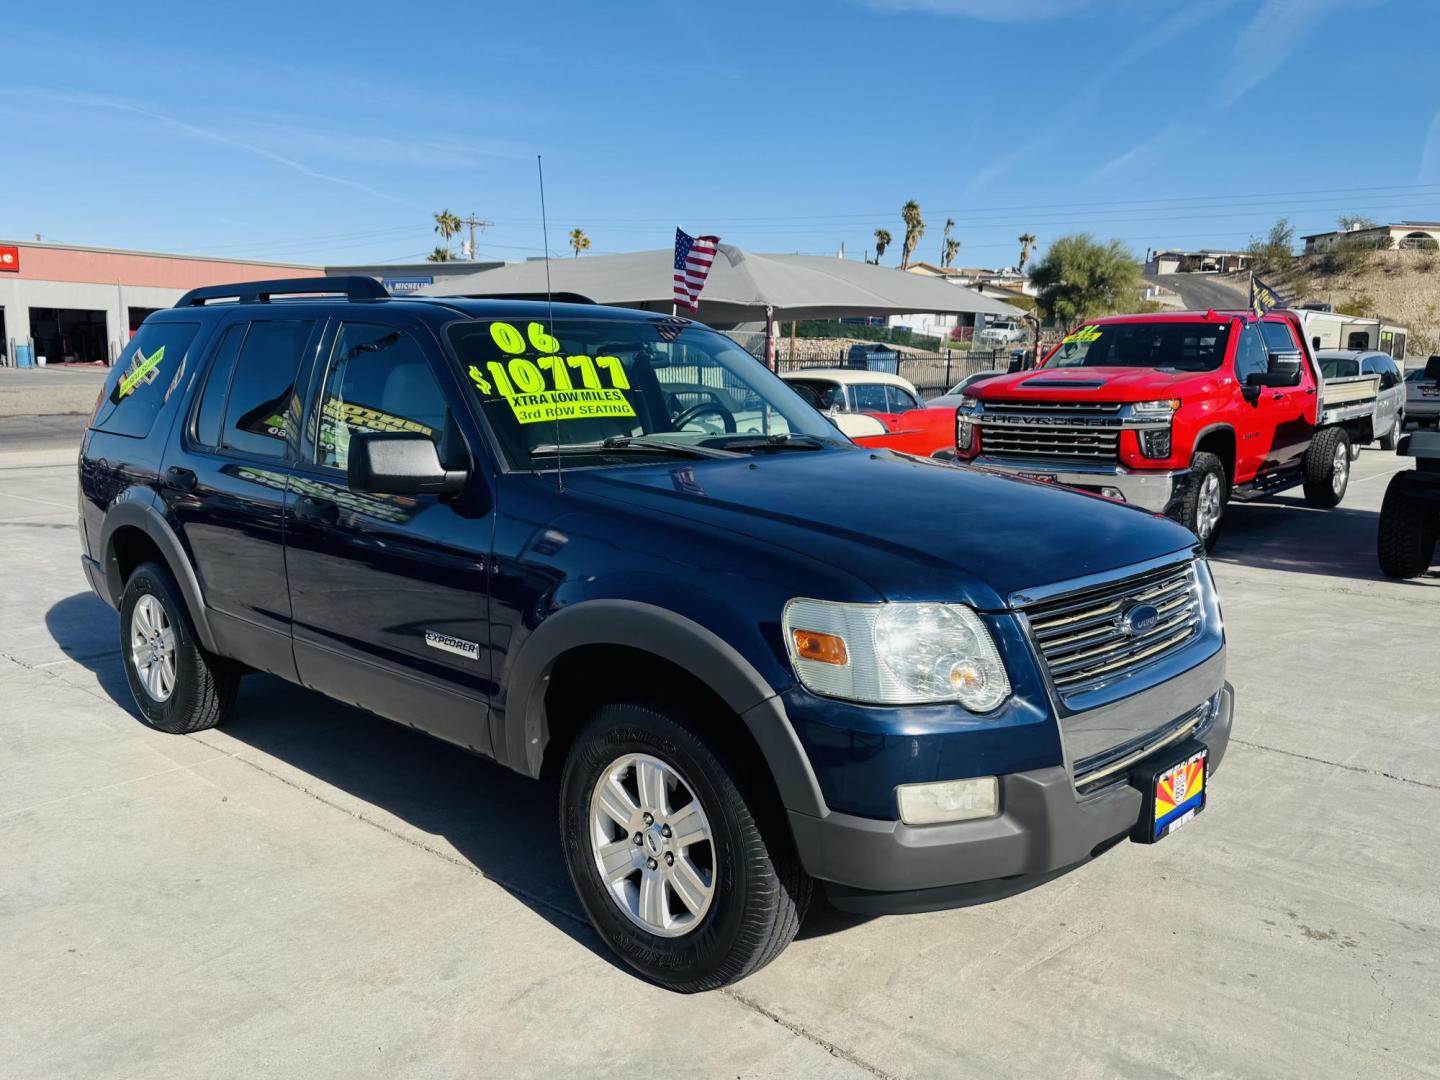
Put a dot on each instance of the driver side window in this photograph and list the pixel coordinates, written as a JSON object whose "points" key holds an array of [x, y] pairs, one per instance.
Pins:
{"points": [[1251, 356]]}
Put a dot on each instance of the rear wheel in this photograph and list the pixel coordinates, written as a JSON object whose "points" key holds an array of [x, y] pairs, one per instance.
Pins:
{"points": [[682, 865], [1327, 468], [1405, 542], [1204, 503], [1391, 438], [177, 685]]}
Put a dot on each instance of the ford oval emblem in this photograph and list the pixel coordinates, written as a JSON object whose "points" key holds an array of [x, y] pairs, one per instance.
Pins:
{"points": [[1138, 619]]}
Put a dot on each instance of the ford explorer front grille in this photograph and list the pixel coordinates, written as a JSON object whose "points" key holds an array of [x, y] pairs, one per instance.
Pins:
{"points": [[1086, 431], [1094, 636]]}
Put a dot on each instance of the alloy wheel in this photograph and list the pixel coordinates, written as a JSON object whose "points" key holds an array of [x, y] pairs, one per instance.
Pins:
{"points": [[152, 648], [1340, 468], [653, 845], [1208, 507]]}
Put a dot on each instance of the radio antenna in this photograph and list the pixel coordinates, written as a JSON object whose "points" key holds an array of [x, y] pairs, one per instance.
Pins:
{"points": [[550, 316]]}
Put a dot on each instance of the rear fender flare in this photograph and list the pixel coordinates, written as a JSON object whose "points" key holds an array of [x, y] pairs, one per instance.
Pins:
{"points": [[143, 509]]}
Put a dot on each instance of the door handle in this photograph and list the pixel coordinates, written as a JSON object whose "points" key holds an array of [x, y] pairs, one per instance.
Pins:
{"points": [[181, 479], [320, 511]]}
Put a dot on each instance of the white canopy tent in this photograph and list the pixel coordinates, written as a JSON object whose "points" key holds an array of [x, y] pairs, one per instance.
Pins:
{"points": [[742, 287]]}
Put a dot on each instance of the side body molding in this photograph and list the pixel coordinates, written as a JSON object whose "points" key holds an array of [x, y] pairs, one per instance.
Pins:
{"points": [[522, 728], [142, 508]]}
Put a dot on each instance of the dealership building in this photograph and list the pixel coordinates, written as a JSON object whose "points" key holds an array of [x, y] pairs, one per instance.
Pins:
{"points": [[73, 304]]}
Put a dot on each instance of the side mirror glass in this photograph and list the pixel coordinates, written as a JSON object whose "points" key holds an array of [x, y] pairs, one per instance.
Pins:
{"points": [[400, 463]]}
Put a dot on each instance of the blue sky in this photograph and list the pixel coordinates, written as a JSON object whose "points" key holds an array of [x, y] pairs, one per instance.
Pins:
{"points": [[291, 132]]}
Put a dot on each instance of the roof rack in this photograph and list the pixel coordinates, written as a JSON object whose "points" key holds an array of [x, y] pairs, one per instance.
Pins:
{"points": [[259, 292]]}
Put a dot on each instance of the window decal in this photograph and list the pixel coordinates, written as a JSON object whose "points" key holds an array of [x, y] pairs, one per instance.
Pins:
{"points": [[142, 369], [1085, 333], [545, 385]]}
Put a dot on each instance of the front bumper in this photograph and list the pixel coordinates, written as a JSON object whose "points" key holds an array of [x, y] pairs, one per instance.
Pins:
{"points": [[1157, 491], [1044, 828]]}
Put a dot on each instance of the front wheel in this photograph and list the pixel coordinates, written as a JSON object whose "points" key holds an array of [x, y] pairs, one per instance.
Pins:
{"points": [[681, 864], [1405, 542], [1205, 498], [1327, 468]]}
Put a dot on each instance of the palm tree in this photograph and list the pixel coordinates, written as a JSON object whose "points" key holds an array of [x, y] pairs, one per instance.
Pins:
{"points": [[579, 241], [914, 230], [448, 225], [440, 254], [882, 241], [946, 253], [1027, 241], [952, 248]]}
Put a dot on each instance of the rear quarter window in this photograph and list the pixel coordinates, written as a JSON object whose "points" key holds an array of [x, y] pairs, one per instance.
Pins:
{"points": [[144, 377]]}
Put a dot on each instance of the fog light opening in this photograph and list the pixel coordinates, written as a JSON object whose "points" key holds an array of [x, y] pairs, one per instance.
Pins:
{"points": [[949, 800]]}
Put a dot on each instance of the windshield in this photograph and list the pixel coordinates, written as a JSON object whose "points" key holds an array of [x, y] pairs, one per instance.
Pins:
{"points": [[1178, 346], [581, 384], [1339, 367]]}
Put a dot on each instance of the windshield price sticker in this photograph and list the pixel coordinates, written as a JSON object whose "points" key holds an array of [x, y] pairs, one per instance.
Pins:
{"points": [[142, 369], [1084, 334], [550, 386]]}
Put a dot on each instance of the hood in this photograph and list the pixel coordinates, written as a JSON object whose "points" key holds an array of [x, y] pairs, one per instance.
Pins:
{"points": [[1095, 384], [911, 528]]}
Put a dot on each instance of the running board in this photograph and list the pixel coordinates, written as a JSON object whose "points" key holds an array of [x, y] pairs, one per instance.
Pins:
{"points": [[1268, 485]]}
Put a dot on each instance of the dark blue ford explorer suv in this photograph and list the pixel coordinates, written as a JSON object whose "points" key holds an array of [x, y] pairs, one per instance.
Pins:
{"points": [[613, 546]]}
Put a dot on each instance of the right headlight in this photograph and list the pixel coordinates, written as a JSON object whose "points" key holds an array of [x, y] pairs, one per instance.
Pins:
{"points": [[895, 654]]}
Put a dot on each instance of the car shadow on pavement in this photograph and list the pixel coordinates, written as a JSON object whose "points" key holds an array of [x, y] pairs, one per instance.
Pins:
{"points": [[502, 824], [1283, 533]]}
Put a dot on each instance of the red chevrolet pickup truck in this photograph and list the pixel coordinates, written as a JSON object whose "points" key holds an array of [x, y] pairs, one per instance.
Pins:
{"points": [[1177, 413]]}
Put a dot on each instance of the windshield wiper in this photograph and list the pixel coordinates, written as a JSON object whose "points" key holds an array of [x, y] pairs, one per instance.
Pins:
{"points": [[777, 442], [631, 444]]}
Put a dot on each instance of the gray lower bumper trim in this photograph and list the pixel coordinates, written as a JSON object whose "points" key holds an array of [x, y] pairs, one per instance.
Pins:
{"points": [[1148, 490]]}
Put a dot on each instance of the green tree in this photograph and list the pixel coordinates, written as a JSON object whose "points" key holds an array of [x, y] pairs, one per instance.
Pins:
{"points": [[1275, 254], [1351, 222], [914, 230], [579, 241], [440, 254], [1027, 244], [1080, 278], [882, 241], [448, 225], [947, 251]]}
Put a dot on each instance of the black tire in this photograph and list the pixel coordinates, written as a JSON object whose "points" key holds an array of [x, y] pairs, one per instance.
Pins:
{"points": [[761, 892], [203, 692], [1391, 438], [1205, 469], [1406, 538], [1321, 465]]}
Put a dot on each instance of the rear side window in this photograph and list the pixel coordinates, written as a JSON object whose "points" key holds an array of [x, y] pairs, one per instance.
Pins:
{"points": [[211, 413], [869, 397], [257, 412], [144, 376], [900, 399]]}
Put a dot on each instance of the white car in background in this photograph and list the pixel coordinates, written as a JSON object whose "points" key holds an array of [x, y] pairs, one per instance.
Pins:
{"points": [[1001, 333], [859, 402]]}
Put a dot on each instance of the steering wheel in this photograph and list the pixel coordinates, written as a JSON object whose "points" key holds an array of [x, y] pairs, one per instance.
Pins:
{"points": [[727, 418]]}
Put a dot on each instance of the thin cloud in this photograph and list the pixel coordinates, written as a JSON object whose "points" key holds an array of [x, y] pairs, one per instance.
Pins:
{"points": [[1430, 152], [1272, 36], [989, 10], [117, 105], [1174, 137]]}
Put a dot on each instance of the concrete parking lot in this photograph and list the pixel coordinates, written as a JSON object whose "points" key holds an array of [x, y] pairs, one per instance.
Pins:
{"points": [[314, 892]]}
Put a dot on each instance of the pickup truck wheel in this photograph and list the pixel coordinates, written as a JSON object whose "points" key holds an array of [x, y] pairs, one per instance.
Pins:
{"points": [[680, 867], [1327, 468], [1406, 538], [1391, 438], [178, 686], [1204, 502]]}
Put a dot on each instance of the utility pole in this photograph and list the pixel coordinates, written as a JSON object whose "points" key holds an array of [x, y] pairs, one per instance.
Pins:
{"points": [[474, 223]]}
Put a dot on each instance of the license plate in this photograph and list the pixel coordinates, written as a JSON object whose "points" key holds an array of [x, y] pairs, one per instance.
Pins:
{"points": [[1174, 792], [1043, 477]]}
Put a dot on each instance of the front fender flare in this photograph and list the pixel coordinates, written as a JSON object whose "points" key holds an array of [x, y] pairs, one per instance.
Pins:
{"points": [[522, 729]]}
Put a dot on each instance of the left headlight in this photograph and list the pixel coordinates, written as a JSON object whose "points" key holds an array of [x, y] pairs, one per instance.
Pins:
{"points": [[1161, 409], [895, 654]]}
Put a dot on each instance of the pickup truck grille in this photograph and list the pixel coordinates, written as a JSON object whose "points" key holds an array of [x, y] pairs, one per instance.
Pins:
{"points": [[1087, 431], [1083, 636]]}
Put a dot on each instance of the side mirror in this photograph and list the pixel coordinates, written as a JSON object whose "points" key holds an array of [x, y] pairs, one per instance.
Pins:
{"points": [[1286, 360], [400, 463]]}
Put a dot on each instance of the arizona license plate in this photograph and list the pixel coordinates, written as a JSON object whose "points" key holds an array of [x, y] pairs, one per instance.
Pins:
{"points": [[1174, 794]]}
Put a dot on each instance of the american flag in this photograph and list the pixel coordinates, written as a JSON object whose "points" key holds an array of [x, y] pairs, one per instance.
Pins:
{"points": [[693, 256], [671, 327]]}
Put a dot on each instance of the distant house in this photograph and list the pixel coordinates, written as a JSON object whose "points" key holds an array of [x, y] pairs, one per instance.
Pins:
{"points": [[1206, 261], [1406, 234], [1004, 285]]}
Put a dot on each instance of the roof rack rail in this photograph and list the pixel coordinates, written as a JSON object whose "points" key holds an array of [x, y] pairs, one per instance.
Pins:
{"points": [[260, 292]]}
